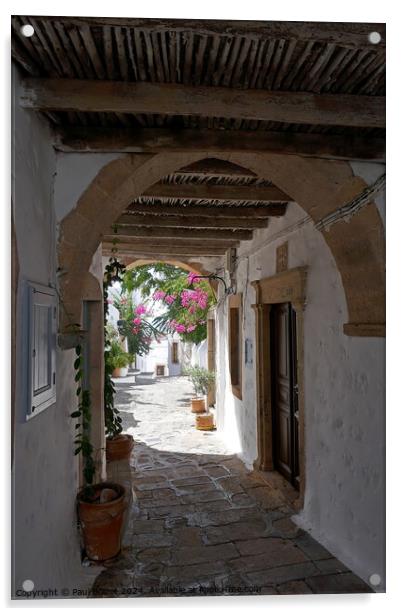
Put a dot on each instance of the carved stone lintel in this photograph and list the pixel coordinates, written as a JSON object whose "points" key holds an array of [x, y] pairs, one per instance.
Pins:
{"points": [[289, 286]]}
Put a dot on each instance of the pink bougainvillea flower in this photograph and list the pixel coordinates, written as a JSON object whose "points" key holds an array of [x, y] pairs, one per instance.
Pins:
{"points": [[191, 328], [185, 298], [192, 277], [159, 295], [169, 299], [137, 320], [141, 309], [180, 328]]}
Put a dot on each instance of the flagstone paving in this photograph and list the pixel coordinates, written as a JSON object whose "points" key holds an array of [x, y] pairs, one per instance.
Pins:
{"points": [[200, 523]]}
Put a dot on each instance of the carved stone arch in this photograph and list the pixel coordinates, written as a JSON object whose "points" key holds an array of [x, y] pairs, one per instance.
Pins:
{"points": [[189, 266], [318, 186]]}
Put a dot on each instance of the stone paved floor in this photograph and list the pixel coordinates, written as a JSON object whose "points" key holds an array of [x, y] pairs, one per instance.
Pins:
{"points": [[200, 522]]}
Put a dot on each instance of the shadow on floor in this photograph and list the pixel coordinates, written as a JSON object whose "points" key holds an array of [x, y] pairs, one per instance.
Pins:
{"points": [[203, 524]]}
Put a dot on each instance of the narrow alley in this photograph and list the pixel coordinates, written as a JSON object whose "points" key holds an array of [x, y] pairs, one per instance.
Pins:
{"points": [[200, 197], [200, 522]]}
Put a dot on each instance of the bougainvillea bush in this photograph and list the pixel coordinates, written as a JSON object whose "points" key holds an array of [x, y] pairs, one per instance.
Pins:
{"points": [[186, 311], [135, 324], [183, 299]]}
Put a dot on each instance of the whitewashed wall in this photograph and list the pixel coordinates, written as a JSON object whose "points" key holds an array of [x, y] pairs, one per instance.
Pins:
{"points": [[45, 479], [161, 354], [344, 395], [199, 354]]}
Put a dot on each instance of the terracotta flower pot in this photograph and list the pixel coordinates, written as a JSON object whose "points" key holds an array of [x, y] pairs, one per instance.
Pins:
{"points": [[205, 422], [119, 447], [101, 522], [119, 372], [198, 405]]}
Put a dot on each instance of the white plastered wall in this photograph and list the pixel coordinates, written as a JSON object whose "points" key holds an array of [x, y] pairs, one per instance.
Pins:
{"points": [[344, 394], [45, 472]]}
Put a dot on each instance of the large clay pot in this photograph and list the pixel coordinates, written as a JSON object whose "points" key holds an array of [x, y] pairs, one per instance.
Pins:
{"points": [[101, 522], [119, 447], [120, 372], [205, 421], [198, 405]]}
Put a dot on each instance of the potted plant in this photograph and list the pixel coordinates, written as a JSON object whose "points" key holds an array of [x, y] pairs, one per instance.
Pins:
{"points": [[202, 381], [118, 445], [119, 359], [100, 506], [101, 510]]}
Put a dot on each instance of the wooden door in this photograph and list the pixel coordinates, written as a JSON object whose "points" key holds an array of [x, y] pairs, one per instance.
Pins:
{"points": [[285, 392]]}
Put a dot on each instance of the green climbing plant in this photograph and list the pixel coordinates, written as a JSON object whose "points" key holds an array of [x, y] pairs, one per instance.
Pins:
{"points": [[83, 420], [114, 272]]}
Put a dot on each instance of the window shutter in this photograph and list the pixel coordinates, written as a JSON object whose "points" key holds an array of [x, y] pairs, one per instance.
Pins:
{"points": [[42, 328]]}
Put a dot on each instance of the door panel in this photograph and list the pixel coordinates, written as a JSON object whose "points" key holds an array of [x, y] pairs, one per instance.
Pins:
{"points": [[284, 391], [295, 399]]}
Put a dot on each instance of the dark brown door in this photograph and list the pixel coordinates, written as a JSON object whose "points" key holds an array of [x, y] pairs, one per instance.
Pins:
{"points": [[285, 392]]}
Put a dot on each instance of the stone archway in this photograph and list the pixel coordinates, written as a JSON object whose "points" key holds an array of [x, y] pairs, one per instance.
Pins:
{"points": [[318, 186], [189, 267]]}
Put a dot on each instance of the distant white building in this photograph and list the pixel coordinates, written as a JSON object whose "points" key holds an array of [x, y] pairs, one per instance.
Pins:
{"points": [[165, 358]]}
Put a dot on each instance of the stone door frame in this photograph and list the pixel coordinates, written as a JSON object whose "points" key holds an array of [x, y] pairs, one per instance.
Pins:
{"points": [[288, 286]]}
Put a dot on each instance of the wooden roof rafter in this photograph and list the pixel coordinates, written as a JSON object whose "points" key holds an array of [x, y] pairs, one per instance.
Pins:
{"points": [[312, 62]]}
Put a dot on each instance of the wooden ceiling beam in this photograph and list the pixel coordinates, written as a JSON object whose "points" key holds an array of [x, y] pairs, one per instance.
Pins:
{"points": [[196, 222], [180, 233], [150, 140], [216, 167], [183, 242], [216, 192], [189, 249], [85, 95], [154, 257], [221, 211], [347, 34]]}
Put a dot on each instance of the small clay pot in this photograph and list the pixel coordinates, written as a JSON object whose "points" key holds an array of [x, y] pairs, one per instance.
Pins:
{"points": [[119, 447], [198, 405], [101, 522], [205, 421]]}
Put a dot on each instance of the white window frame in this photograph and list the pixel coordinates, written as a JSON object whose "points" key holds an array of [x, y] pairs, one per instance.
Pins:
{"points": [[40, 400]]}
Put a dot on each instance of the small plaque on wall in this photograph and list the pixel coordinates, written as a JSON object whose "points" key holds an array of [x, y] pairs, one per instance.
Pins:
{"points": [[282, 258]]}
